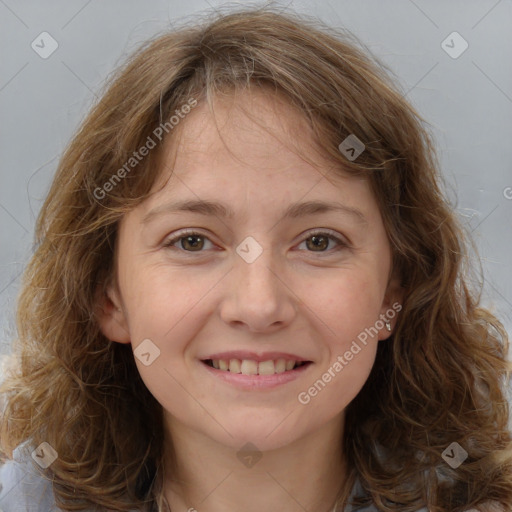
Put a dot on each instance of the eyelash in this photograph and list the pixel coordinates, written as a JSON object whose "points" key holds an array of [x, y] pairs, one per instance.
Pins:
{"points": [[183, 234]]}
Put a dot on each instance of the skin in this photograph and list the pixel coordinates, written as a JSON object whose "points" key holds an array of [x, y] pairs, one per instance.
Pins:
{"points": [[294, 298]]}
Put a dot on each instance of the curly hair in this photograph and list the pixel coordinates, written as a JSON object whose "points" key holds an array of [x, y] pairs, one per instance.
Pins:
{"points": [[439, 379]]}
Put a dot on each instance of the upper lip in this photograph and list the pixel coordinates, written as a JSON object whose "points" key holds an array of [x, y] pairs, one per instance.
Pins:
{"points": [[254, 356]]}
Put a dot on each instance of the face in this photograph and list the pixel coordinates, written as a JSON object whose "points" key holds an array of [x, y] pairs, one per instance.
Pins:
{"points": [[251, 260]]}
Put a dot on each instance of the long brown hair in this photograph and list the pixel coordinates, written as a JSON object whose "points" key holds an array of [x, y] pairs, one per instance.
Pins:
{"points": [[440, 378]]}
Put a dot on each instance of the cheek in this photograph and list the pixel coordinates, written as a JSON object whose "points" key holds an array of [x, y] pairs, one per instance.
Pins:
{"points": [[346, 305], [160, 303], [168, 309], [163, 309], [332, 389], [347, 312], [346, 309]]}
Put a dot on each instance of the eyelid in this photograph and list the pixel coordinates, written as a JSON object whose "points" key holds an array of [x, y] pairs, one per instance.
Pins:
{"points": [[342, 242], [169, 242], [325, 231]]}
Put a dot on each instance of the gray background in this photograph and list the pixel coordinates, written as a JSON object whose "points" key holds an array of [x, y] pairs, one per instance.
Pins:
{"points": [[467, 101]]}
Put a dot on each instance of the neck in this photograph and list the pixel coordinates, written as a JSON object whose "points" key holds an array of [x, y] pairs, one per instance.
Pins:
{"points": [[307, 474]]}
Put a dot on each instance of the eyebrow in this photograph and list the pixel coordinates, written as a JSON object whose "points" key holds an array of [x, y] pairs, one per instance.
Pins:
{"points": [[212, 208]]}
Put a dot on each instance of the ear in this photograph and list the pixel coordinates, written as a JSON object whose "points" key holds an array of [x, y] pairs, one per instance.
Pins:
{"points": [[391, 306], [110, 315]]}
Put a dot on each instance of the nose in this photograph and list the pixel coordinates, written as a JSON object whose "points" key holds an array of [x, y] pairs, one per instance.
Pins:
{"points": [[258, 298]]}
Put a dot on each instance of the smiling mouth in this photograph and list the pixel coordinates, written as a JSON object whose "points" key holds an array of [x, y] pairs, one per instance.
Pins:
{"points": [[251, 367]]}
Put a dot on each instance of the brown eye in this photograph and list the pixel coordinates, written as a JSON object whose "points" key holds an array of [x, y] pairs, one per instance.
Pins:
{"points": [[188, 242], [317, 242], [192, 242]]}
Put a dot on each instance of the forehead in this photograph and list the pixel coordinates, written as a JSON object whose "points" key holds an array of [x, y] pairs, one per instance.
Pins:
{"points": [[251, 161], [255, 134]]}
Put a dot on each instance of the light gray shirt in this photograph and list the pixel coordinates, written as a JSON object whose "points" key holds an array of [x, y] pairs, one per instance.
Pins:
{"points": [[23, 488]]}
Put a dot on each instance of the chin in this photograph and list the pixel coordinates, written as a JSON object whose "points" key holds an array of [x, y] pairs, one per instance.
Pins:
{"points": [[265, 435]]}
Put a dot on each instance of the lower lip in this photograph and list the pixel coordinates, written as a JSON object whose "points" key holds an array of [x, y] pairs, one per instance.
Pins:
{"points": [[257, 381]]}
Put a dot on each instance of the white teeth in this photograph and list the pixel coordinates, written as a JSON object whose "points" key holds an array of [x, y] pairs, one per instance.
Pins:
{"points": [[280, 365], [234, 366], [250, 367], [266, 368]]}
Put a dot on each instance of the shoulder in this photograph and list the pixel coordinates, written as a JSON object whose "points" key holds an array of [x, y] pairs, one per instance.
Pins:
{"points": [[22, 486], [489, 506]]}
